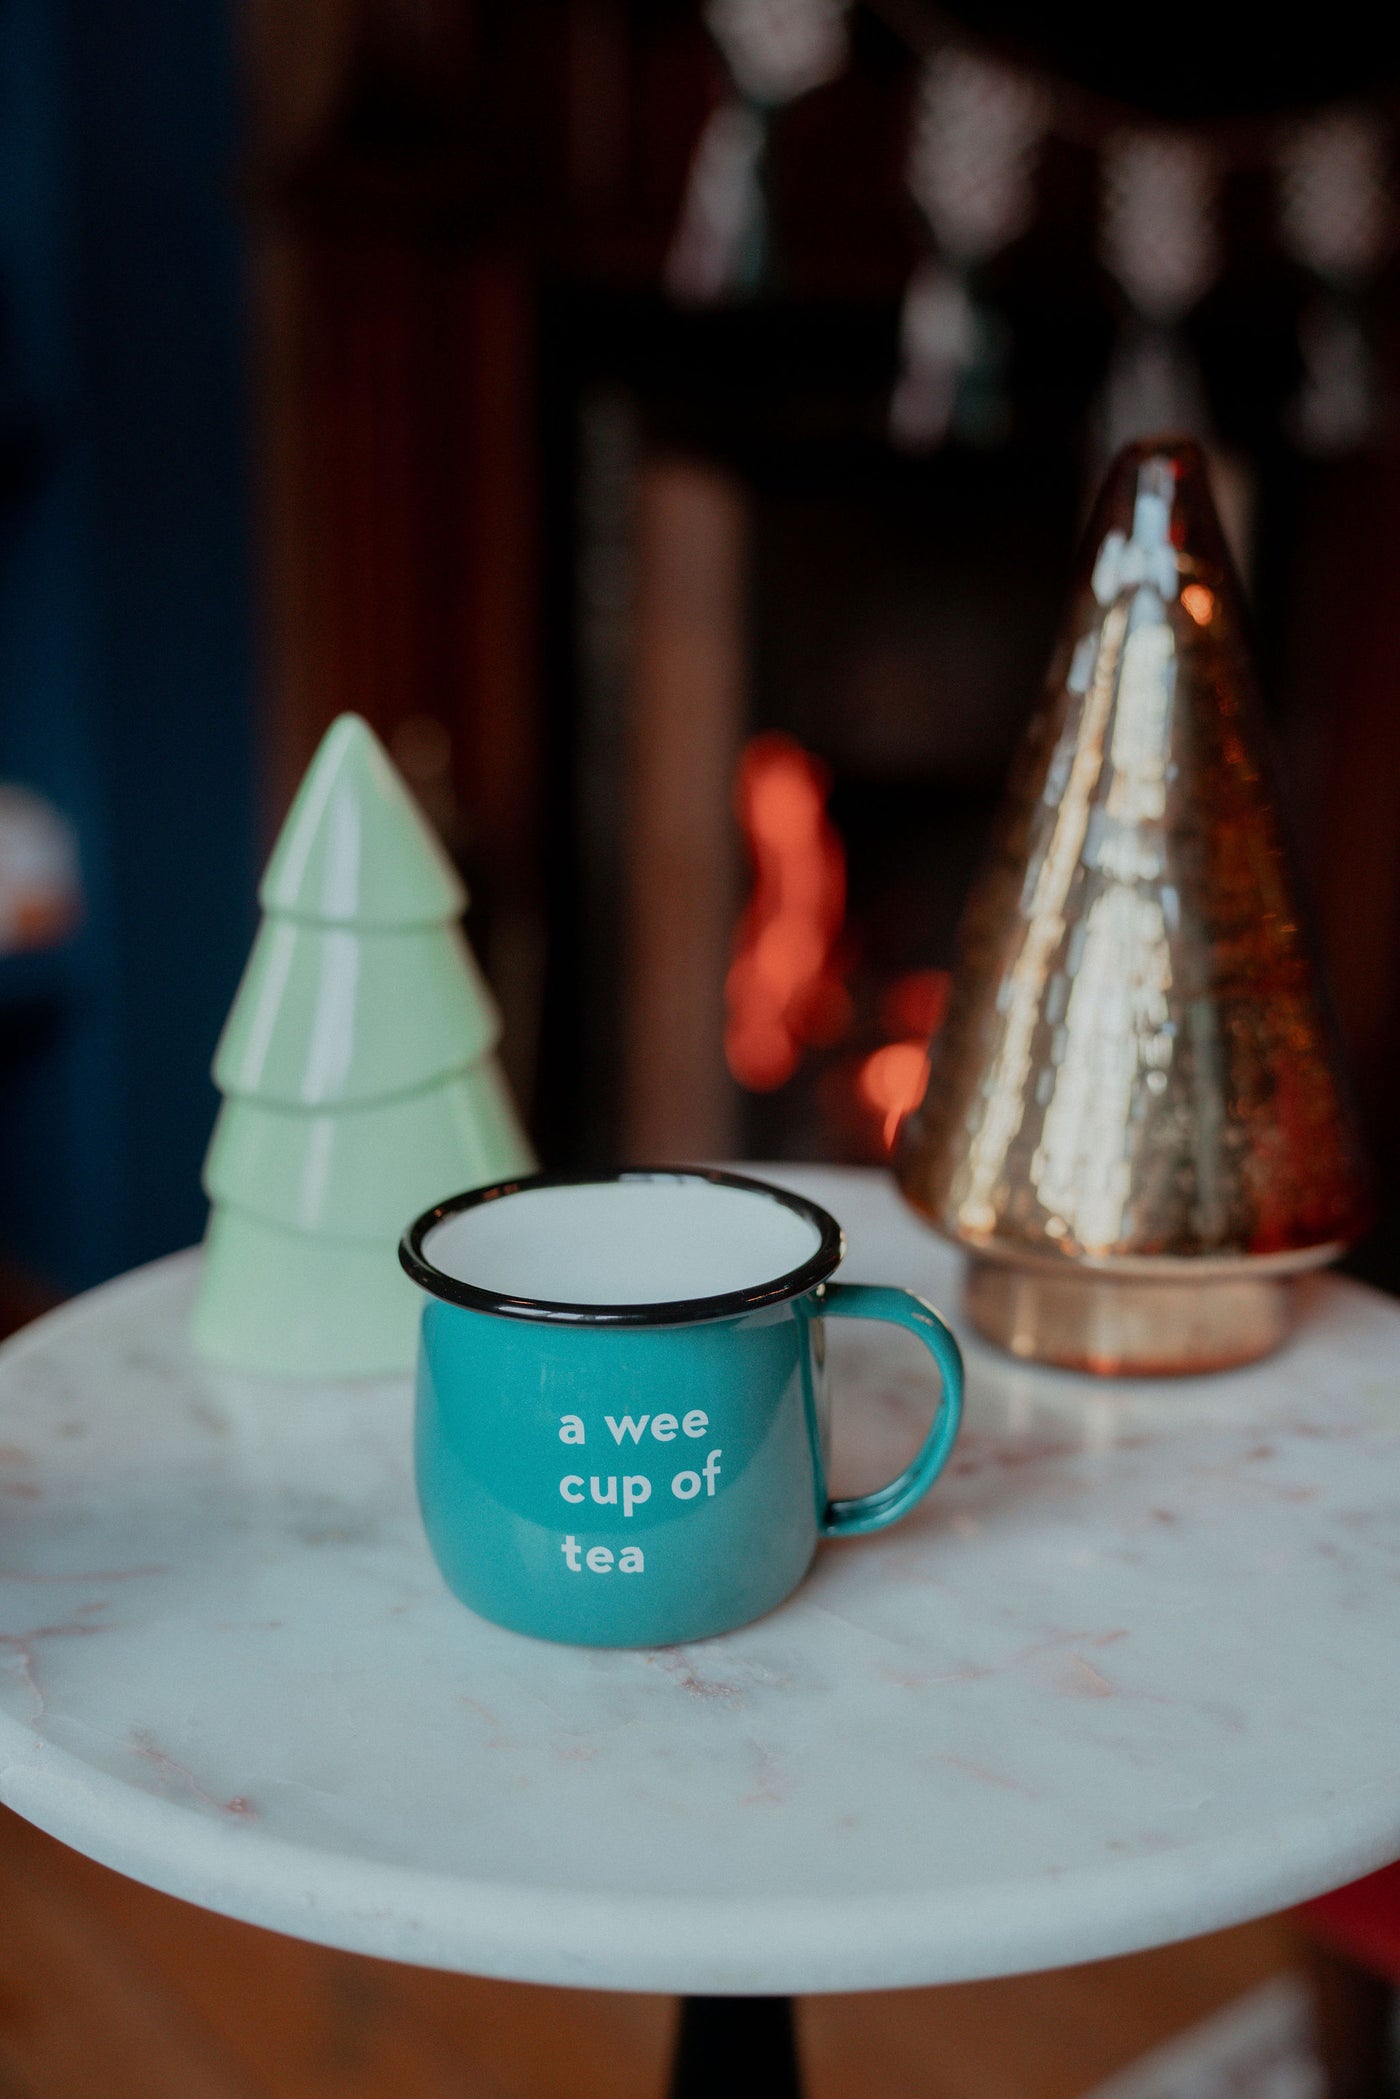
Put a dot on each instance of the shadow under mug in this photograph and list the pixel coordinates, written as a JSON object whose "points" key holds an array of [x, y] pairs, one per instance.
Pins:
{"points": [[634, 1474]]}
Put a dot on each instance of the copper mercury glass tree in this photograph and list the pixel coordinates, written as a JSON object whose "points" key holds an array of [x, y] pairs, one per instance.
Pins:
{"points": [[1133, 1120]]}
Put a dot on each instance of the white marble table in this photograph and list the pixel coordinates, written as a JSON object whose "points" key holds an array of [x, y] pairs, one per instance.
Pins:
{"points": [[1133, 1671]]}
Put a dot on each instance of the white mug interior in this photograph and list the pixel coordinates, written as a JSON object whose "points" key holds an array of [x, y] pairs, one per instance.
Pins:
{"points": [[653, 1240]]}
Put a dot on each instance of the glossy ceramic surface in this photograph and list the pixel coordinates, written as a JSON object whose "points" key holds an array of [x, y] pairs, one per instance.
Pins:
{"points": [[637, 1474], [358, 1077], [355, 849], [1135, 1065], [330, 1017], [285, 1304], [358, 1173], [1115, 1681]]}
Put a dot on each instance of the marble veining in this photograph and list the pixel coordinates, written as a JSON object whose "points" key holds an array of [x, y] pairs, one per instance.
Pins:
{"points": [[1128, 1674]]}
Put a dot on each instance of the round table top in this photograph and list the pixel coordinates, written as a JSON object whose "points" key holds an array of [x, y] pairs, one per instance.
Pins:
{"points": [[1129, 1673]]}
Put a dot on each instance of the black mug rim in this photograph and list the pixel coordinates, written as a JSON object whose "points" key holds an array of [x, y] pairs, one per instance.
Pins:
{"points": [[730, 1304]]}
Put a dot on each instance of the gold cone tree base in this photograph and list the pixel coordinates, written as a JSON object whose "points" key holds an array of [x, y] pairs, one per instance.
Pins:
{"points": [[1125, 1326]]}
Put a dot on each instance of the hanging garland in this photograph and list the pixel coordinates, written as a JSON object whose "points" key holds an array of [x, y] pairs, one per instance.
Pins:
{"points": [[1335, 219], [971, 171], [775, 50], [1159, 242], [979, 126]]}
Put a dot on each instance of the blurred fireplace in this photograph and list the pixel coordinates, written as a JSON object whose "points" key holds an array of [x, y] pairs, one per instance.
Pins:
{"points": [[824, 690]]}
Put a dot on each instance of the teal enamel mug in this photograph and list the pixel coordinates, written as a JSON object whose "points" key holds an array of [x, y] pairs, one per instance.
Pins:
{"points": [[621, 1429]]}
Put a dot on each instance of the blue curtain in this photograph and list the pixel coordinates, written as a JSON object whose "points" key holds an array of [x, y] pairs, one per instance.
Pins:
{"points": [[125, 618]]}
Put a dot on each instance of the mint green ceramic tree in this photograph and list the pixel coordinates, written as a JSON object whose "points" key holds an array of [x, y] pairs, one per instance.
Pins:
{"points": [[359, 1078]]}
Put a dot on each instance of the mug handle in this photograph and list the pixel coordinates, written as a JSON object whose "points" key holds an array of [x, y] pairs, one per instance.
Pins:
{"points": [[871, 1512]]}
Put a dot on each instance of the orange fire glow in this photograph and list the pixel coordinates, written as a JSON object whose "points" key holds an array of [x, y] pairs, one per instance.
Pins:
{"points": [[891, 1081], [915, 1004], [783, 990], [1200, 603]]}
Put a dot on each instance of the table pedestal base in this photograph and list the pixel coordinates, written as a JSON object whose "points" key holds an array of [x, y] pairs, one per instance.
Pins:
{"points": [[731, 2044]]}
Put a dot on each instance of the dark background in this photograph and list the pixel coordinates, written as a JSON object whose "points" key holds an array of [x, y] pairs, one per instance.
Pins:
{"points": [[335, 372]]}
